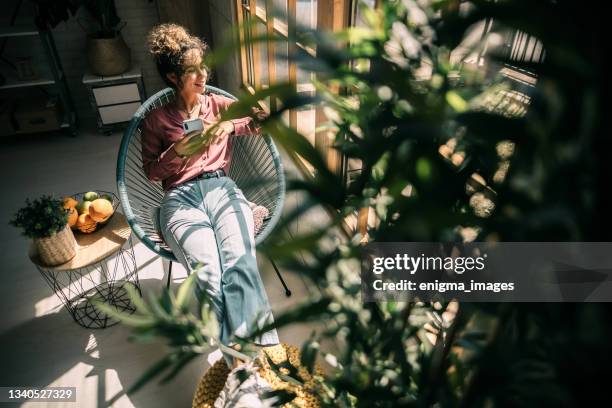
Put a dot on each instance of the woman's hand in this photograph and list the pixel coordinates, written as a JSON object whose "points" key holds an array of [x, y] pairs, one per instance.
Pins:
{"points": [[191, 143], [218, 131], [196, 142]]}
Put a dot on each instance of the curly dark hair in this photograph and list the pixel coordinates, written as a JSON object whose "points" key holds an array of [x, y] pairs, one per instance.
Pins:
{"points": [[169, 43]]}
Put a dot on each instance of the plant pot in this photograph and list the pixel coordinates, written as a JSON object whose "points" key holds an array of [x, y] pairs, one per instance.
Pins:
{"points": [[56, 249], [108, 56]]}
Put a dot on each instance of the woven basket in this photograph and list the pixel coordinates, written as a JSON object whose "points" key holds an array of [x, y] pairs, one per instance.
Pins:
{"points": [[108, 56], [56, 249], [213, 380]]}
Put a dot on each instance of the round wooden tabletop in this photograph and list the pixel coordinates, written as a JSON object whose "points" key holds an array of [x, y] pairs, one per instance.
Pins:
{"points": [[94, 247]]}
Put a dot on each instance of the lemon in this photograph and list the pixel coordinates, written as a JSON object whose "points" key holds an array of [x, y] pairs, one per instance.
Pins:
{"points": [[107, 197], [90, 196]]}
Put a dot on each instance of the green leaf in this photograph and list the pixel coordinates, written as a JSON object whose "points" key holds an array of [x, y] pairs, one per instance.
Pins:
{"points": [[307, 311], [136, 299], [185, 292], [127, 319], [308, 354], [456, 101], [157, 309], [282, 397], [294, 142]]}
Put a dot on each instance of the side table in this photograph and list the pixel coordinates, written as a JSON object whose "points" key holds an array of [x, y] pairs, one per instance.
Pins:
{"points": [[88, 276], [115, 98]]}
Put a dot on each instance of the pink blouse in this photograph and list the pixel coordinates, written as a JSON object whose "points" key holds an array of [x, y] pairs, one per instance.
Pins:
{"points": [[163, 127]]}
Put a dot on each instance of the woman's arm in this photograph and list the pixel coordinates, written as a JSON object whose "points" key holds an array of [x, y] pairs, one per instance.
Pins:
{"points": [[158, 163], [242, 126]]}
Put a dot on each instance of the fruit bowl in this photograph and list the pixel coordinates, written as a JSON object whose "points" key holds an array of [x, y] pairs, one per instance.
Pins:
{"points": [[82, 204]]}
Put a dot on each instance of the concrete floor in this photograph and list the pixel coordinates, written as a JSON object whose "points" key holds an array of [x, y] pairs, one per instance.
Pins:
{"points": [[40, 344]]}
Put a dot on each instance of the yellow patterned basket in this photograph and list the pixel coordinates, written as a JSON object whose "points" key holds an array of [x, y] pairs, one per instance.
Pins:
{"points": [[213, 380]]}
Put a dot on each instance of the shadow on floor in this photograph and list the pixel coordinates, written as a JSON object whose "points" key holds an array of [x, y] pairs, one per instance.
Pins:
{"points": [[42, 350]]}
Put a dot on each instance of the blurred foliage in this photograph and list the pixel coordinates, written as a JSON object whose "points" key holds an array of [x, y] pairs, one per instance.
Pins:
{"points": [[449, 153], [49, 13], [105, 21], [168, 315], [102, 20]]}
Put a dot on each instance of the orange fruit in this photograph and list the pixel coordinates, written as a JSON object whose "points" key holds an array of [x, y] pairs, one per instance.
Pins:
{"points": [[85, 224], [100, 210], [70, 202], [73, 216]]}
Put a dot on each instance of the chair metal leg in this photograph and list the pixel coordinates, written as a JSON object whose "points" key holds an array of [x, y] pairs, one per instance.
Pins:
{"points": [[169, 275], [287, 291]]}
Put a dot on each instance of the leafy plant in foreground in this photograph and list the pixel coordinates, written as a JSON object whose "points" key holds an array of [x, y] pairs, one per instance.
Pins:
{"points": [[385, 112]]}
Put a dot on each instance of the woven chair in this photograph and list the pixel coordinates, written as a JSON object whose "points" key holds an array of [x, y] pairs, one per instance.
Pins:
{"points": [[255, 167]]}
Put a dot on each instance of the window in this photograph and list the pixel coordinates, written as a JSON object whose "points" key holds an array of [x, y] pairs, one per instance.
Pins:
{"points": [[265, 63]]}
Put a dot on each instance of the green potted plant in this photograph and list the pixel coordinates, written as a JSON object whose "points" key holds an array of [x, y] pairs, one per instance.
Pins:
{"points": [[107, 52], [45, 220]]}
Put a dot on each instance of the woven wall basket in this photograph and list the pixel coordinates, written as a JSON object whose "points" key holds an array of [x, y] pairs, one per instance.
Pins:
{"points": [[212, 382], [57, 249], [108, 56]]}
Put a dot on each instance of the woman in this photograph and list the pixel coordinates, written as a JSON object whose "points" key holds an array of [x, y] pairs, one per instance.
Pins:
{"points": [[205, 218]]}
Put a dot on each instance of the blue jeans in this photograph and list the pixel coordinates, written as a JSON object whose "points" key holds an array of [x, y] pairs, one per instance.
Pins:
{"points": [[208, 224]]}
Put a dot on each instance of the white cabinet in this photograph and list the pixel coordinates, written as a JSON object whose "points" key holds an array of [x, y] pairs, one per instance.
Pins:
{"points": [[115, 98]]}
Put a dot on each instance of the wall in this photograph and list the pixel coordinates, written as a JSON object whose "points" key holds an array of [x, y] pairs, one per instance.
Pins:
{"points": [[140, 16], [191, 14], [222, 20]]}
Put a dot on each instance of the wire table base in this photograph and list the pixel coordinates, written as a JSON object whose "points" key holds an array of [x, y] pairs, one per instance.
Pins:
{"points": [[102, 267], [104, 280]]}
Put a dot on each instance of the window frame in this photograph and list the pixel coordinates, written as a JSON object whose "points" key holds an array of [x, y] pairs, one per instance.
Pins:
{"points": [[332, 15]]}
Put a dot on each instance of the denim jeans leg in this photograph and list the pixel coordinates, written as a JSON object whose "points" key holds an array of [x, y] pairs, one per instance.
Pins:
{"points": [[187, 230], [246, 304]]}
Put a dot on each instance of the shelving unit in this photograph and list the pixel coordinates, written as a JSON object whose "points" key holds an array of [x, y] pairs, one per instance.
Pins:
{"points": [[51, 75]]}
